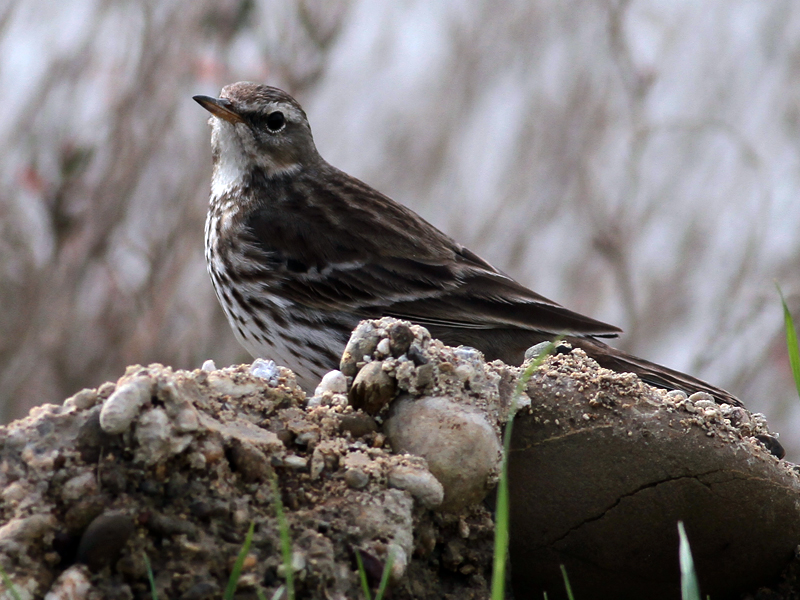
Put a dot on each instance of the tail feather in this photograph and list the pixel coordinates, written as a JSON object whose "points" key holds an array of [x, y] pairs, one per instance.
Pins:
{"points": [[651, 373]]}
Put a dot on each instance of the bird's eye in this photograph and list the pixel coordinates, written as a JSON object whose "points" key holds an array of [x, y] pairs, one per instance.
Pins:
{"points": [[276, 120]]}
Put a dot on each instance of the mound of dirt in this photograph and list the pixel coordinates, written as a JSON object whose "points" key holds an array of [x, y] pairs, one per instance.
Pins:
{"points": [[395, 454]]}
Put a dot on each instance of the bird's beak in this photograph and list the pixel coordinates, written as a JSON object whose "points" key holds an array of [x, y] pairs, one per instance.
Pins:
{"points": [[219, 107]]}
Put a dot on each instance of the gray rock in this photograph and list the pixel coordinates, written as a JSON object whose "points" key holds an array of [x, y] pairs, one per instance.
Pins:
{"points": [[462, 449], [419, 482]]}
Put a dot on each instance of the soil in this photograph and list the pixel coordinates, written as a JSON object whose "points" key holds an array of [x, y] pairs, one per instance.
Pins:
{"points": [[396, 454]]}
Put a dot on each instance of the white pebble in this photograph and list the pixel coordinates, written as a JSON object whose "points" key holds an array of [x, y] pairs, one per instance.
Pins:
{"points": [[72, 584], [265, 369], [383, 347], [314, 402], [469, 354], [209, 366], [399, 561], [298, 564], [334, 382], [700, 397], [123, 405]]}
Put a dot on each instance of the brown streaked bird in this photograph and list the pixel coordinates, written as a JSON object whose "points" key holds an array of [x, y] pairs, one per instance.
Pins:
{"points": [[299, 252]]}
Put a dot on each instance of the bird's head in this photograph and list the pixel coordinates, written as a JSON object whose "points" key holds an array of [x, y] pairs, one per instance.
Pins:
{"points": [[257, 127]]}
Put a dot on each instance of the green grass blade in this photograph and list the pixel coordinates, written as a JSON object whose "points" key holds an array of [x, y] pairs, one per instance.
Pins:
{"points": [[387, 569], [791, 341], [502, 509], [362, 573], [236, 572], [501, 524], [567, 586], [286, 540], [9, 584], [151, 579], [690, 590]]}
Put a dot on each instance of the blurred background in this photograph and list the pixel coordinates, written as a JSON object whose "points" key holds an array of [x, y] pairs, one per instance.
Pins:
{"points": [[637, 161]]}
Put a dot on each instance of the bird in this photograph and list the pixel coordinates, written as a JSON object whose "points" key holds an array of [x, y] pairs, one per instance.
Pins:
{"points": [[300, 252]]}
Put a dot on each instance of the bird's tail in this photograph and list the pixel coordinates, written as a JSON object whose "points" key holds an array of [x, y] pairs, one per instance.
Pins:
{"points": [[651, 373]]}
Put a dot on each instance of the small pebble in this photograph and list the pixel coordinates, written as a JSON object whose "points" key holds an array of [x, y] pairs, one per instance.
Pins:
{"points": [[104, 539], [400, 338], [358, 424], [295, 462], [307, 438], [463, 528], [106, 389], [209, 366], [265, 369], [419, 482], [372, 389], [383, 348], [417, 356], [701, 396], [123, 405], [334, 382], [772, 444], [469, 354], [15, 492], [73, 584], [84, 399], [536, 350], [298, 564], [356, 478], [363, 342], [424, 375], [399, 562]]}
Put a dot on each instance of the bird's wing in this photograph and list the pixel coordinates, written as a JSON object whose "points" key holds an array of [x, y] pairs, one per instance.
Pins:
{"points": [[483, 299], [336, 244]]}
